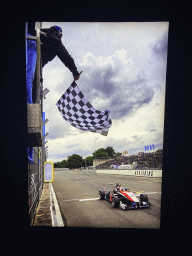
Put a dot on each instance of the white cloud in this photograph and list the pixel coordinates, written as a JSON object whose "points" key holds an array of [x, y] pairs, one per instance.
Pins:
{"points": [[122, 73]]}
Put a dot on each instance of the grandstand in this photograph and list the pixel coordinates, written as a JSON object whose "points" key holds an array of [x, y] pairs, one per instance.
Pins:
{"points": [[142, 161]]}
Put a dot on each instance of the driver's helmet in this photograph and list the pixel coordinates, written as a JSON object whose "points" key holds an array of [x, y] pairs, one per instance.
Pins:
{"points": [[118, 186]]}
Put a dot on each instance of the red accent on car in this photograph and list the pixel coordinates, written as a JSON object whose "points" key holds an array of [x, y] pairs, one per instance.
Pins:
{"points": [[126, 195]]}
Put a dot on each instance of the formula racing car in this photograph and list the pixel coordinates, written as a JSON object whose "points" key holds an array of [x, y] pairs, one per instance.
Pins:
{"points": [[125, 198]]}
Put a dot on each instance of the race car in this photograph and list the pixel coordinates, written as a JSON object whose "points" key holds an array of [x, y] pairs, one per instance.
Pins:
{"points": [[125, 198]]}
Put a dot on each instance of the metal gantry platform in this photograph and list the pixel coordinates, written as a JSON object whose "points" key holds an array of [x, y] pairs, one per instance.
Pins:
{"points": [[36, 132]]}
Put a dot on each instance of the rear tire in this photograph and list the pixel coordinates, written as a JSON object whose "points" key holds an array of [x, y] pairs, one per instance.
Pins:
{"points": [[115, 202], [101, 195]]}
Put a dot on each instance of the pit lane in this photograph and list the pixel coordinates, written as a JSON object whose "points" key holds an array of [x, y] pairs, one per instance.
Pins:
{"points": [[77, 194]]}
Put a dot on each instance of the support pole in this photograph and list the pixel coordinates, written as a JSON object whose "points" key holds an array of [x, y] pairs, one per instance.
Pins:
{"points": [[38, 63]]}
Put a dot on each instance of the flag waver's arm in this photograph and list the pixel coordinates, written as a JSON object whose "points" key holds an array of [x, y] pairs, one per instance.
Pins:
{"points": [[65, 57]]}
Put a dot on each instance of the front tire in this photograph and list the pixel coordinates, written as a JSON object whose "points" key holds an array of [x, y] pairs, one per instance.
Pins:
{"points": [[115, 202]]}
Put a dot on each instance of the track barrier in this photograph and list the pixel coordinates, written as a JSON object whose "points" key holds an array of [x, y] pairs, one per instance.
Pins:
{"points": [[143, 173]]}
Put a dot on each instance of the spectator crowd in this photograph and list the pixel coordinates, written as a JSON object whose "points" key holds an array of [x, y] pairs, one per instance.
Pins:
{"points": [[141, 161]]}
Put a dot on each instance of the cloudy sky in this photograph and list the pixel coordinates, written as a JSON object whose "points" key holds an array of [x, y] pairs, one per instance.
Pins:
{"points": [[124, 70]]}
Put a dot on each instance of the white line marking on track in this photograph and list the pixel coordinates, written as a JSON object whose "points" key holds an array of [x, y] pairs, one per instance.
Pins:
{"points": [[147, 193], [152, 193], [68, 200], [55, 214], [80, 200], [96, 198], [52, 209], [88, 199]]}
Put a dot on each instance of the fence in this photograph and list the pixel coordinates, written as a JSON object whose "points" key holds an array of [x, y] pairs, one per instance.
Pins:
{"points": [[35, 181], [36, 132]]}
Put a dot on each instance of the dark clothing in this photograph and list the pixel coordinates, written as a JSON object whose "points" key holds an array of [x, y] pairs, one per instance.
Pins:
{"points": [[52, 46]]}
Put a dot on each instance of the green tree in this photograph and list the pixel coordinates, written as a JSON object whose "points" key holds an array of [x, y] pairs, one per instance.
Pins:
{"points": [[64, 164], [100, 153], [57, 165], [74, 161], [110, 151], [89, 161]]}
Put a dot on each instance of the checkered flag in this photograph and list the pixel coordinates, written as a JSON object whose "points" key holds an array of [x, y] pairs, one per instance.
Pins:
{"points": [[78, 111]]}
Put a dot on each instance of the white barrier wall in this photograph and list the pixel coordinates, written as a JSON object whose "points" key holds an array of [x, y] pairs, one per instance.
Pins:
{"points": [[147, 173], [61, 169]]}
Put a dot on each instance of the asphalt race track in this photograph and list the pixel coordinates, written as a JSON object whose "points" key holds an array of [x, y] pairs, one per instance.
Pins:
{"points": [[77, 195]]}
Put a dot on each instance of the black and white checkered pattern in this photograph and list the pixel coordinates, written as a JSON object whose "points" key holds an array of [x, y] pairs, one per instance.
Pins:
{"points": [[78, 111]]}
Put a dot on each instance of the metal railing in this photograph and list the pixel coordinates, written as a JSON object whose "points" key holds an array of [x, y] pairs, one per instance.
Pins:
{"points": [[36, 165], [35, 182]]}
